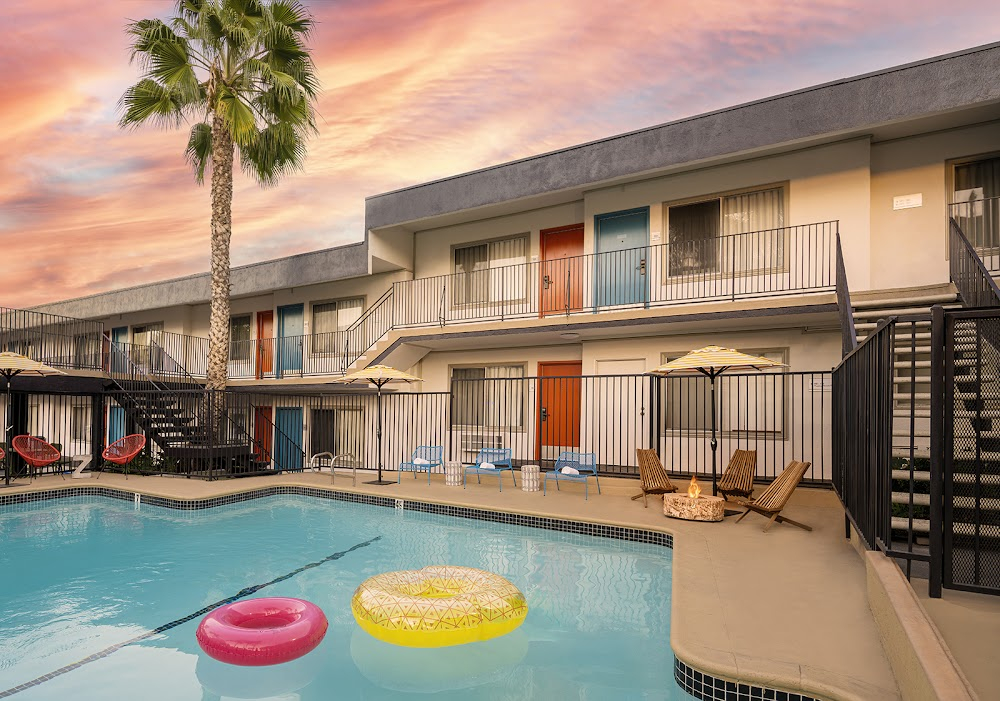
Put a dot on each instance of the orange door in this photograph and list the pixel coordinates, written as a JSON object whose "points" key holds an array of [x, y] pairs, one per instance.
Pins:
{"points": [[262, 433], [561, 272], [265, 343], [558, 409]]}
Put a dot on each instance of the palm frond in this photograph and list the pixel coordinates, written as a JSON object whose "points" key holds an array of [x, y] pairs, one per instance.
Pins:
{"points": [[148, 33], [293, 15], [278, 150], [237, 114], [198, 153], [148, 101]]}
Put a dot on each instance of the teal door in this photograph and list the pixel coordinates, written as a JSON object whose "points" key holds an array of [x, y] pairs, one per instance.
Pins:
{"points": [[119, 339], [116, 423], [290, 328], [288, 438], [621, 268]]}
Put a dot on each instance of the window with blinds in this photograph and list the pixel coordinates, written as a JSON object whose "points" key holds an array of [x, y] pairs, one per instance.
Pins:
{"points": [[239, 338], [329, 318], [976, 201], [733, 233], [490, 396], [484, 272]]}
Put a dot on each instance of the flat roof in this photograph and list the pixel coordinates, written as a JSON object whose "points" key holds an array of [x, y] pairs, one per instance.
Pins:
{"points": [[947, 83]]}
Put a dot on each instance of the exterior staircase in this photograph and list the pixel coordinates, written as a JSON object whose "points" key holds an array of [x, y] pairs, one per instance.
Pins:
{"points": [[911, 398]]}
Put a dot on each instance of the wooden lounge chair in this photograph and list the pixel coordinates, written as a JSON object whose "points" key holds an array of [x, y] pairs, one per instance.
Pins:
{"points": [[773, 499], [652, 476], [737, 480]]}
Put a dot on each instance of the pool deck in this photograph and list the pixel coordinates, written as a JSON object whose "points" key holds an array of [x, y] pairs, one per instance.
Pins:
{"points": [[785, 609]]}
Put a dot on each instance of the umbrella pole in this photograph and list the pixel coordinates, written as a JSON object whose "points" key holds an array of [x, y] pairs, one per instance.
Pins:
{"points": [[715, 443], [378, 432], [6, 436]]}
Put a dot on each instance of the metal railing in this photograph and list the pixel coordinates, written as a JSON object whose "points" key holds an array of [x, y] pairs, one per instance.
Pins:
{"points": [[980, 222], [968, 271], [370, 327], [795, 259], [848, 334], [58, 341], [782, 416]]}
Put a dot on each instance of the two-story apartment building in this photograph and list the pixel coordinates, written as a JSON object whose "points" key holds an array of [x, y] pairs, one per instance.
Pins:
{"points": [[608, 258]]}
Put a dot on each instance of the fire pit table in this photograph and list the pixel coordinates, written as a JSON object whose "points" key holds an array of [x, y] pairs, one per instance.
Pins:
{"points": [[692, 506]]}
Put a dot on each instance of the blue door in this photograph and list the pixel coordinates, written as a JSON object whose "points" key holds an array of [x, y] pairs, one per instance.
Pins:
{"points": [[288, 438], [116, 423], [119, 337], [622, 263], [290, 328]]}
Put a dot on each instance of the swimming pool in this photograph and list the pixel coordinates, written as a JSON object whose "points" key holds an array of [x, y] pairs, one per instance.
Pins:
{"points": [[83, 575]]}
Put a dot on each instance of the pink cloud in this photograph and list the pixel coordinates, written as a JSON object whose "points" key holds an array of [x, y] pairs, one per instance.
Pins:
{"points": [[412, 91]]}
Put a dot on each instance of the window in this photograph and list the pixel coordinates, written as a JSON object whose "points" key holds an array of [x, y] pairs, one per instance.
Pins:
{"points": [[976, 201], [483, 272], [734, 232], [239, 338], [143, 353], [86, 351], [489, 396], [752, 403], [331, 317]]}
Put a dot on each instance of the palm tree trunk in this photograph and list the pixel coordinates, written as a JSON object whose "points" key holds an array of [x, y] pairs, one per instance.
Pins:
{"points": [[222, 229]]}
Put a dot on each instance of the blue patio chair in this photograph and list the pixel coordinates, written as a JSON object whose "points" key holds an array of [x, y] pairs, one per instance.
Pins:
{"points": [[423, 459], [500, 457], [584, 463]]}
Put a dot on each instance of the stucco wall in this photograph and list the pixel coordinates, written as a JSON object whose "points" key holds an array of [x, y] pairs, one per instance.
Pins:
{"points": [[918, 165]]}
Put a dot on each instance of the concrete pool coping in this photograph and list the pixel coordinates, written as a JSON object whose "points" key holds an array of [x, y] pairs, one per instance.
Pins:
{"points": [[785, 609]]}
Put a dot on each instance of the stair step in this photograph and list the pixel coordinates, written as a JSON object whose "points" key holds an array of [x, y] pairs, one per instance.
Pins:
{"points": [[905, 452], [920, 525], [900, 396], [918, 499], [922, 300], [877, 312], [918, 364]]}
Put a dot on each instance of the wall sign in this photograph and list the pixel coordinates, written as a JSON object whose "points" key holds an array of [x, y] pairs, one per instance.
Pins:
{"points": [[908, 201]]}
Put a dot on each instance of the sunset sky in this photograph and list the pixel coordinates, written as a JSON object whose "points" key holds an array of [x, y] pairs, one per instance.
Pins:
{"points": [[413, 90]]}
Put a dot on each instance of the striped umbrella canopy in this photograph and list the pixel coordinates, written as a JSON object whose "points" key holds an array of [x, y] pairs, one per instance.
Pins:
{"points": [[12, 364], [712, 361], [378, 375]]}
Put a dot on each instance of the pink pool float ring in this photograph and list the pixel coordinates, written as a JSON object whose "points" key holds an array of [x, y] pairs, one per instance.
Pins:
{"points": [[260, 632]]}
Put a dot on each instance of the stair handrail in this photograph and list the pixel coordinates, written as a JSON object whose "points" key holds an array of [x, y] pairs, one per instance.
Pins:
{"points": [[849, 336], [357, 328], [968, 272], [186, 377], [276, 432]]}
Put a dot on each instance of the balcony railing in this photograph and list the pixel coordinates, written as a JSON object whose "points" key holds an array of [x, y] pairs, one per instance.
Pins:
{"points": [[790, 260], [58, 341], [979, 220]]}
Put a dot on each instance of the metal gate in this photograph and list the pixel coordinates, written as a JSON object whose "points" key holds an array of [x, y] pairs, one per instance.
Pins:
{"points": [[969, 406]]}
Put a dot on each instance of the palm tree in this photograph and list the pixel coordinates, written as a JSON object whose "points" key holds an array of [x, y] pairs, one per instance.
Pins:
{"points": [[240, 70]]}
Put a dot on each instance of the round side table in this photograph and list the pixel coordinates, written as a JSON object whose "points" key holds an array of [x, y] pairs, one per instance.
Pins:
{"points": [[453, 474]]}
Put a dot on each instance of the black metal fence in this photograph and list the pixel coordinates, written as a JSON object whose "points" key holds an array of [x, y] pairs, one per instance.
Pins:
{"points": [[969, 449], [979, 220], [783, 416], [58, 341], [969, 272], [862, 432]]}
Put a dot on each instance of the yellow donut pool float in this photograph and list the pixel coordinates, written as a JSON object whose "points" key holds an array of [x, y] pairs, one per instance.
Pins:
{"points": [[438, 606]]}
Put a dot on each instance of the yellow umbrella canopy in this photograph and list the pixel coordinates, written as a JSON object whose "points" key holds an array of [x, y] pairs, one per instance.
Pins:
{"points": [[715, 360], [712, 361], [12, 364], [378, 375]]}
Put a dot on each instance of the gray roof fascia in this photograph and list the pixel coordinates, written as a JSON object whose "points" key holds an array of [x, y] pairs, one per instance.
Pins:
{"points": [[931, 86], [312, 268]]}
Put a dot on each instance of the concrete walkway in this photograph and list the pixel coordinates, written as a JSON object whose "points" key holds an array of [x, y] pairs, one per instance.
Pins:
{"points": [[787, 608]]}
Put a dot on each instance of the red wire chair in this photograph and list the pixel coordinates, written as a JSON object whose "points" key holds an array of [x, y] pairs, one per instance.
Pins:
{"points": [[36, 452], [124, 450]]}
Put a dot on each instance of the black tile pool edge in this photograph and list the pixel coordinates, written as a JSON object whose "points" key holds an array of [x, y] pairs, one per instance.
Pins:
{"points": [[698, 684]]}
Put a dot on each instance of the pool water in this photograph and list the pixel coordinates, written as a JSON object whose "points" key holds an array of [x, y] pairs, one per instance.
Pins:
{"points": [[83, 575]]}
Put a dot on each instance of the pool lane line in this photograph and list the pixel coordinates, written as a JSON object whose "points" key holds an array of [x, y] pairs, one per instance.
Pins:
{"points": [[246, 591]]}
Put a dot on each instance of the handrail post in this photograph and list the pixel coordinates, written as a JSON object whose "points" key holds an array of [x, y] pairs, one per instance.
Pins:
{"points": [[444, 290], [937, 449]]}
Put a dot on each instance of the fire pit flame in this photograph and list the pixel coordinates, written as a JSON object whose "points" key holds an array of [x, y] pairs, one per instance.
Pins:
{"points": [[694, 489]]}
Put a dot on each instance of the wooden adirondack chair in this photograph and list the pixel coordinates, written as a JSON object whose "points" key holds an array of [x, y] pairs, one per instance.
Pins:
{"points": [[652, 476], [773, 499], [737, 480]]}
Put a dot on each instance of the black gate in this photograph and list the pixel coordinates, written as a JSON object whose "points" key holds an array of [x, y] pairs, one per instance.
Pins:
{"points": [[969, 406]]}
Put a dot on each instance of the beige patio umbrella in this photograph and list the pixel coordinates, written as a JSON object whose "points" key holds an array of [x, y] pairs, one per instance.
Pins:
{"points": [[12, 364], [712, 361], [377, 375]]}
